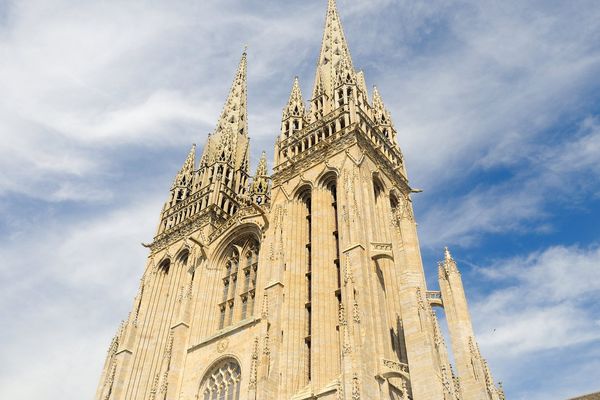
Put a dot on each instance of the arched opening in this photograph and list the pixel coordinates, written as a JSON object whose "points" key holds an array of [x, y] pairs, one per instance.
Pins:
{"points": [[222, 381], [304, 196], [240, 268], [378, 188], [165, 266]]}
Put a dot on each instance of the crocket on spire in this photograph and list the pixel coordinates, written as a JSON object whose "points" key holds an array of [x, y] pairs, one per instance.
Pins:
{"points": [[334, 49]]}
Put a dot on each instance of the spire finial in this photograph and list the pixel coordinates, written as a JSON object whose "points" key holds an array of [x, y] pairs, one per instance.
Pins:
{"points": [[447, 255]]}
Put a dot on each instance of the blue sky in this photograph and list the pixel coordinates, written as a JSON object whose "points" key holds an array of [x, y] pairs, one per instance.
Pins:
{"points": [[497, 107]]}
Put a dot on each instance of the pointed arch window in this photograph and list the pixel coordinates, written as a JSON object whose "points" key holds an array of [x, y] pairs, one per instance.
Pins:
{"points": [[222, 382], [239, 282]]}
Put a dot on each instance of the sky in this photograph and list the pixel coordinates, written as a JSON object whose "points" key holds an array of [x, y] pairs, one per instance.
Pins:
{"points": [[497, 108]]}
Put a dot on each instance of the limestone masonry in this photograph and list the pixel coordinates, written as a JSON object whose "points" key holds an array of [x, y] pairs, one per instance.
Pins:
{"points": [[306, 283]]}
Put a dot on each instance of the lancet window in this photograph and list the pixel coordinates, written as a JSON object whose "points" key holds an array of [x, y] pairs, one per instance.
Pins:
{"points": [[239, 282], [222, 382]]}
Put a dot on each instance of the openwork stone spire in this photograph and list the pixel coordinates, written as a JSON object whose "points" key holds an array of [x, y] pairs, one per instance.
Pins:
{"points": [[334, 49], [229, 143], [234, 110]]}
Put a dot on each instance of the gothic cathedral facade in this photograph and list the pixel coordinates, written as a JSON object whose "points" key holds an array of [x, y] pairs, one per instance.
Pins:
{"points": [[306, 283]]}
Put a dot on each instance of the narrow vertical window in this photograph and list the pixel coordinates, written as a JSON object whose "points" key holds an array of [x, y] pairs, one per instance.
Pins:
{"points": [[237, 302]]}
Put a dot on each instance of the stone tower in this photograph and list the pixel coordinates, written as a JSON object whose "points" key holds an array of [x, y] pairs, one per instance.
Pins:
{"points": [[303, 284]]}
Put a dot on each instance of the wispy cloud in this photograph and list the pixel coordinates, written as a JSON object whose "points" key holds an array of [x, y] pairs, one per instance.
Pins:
{"points": [[63, 301], [542, 174], [100, 101], [544, 304]]}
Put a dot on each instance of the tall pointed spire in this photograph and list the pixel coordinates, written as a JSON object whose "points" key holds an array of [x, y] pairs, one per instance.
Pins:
{"points": [[334, 49], [234, 110], [230, 140]]}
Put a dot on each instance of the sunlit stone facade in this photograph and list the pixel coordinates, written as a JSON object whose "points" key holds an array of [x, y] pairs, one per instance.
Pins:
{"points": [[301, 284]]}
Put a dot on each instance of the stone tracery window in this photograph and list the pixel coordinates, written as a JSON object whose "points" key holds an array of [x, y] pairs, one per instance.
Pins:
{"points": [[239, 282], [222, 382]]}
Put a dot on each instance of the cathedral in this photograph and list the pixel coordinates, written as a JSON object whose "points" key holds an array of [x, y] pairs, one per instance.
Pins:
{"points": [[303, 283]]}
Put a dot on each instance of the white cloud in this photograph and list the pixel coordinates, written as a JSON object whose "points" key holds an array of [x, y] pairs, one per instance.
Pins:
{"points": [[544, 303], [472, 86], [70, 284], [563, 174]]}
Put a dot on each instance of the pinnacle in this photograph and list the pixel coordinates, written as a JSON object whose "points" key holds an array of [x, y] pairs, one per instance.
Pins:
{"points": [[190, 161], [295, 106], [447, 255], [184, 176], [377, 100], [261, 169], [362, 84]]}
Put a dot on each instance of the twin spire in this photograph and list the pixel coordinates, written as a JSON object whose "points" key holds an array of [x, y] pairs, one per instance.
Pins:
{"points": [[229, 142], [334, 56], [234, 110]]}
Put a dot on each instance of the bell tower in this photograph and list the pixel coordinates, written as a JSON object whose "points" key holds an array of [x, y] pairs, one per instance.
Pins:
{"points": [[306, 283]]}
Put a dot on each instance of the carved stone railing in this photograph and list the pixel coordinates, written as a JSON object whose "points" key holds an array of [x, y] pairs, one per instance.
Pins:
{"points": [[434, 298], [395, 365]]}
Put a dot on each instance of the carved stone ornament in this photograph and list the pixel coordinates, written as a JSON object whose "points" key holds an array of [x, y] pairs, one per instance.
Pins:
{"points": [[348, 271], [222, 345], [355, 387], [254, 366], [266, 349], [403, 210], [355, 312]]}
